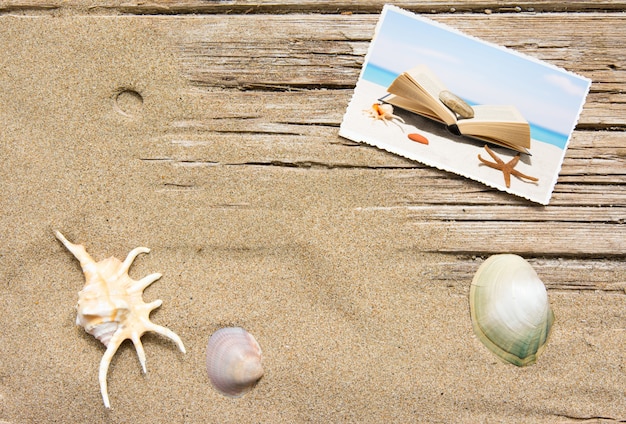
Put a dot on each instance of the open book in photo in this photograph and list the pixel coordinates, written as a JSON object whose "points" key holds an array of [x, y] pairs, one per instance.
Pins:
{"points": [[418, 90], [422, 94]]}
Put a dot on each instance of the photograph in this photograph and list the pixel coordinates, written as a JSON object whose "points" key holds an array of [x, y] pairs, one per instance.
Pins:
{"points": [[435, 95]]}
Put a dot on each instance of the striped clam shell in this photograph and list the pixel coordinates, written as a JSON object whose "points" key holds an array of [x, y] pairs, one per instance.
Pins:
{"points": [[233, 361]]}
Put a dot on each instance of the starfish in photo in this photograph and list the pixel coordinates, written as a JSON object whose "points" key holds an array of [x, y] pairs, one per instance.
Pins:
{"points": [[507, 168]]}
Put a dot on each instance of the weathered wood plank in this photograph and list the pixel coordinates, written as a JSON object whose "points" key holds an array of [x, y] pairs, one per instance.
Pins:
{"points": [[28, 5], [356, 6], [512, 213], [235, 109], [562, 239], [218, 55], [329, 6], [235, 127], [409, 199], [578, 185], [417, 184], [557, 274]]}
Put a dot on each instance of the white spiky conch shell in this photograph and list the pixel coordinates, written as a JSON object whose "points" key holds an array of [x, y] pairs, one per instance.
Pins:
{"points": [[510, 311], [111, 308], [233, 360]]}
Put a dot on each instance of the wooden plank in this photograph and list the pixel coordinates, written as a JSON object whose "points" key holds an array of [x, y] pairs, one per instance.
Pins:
{"points": [[416, 184], [563, 239], [512, 213], [236, 127], [557, 274], [408, 199], [217, 55], [28, 5], [343, 6], [261, 142], [326, 107]]}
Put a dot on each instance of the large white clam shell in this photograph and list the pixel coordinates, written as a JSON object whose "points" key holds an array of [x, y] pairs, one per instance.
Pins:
{"points": [[233, 361], [510, 310]]}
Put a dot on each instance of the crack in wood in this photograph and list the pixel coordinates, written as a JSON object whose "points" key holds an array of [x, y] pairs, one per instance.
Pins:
{"points": [[315, 164], [598, 419], [163, 7], [546, 255], [178, 185]]}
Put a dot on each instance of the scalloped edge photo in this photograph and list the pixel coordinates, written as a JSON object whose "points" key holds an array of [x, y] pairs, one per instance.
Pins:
{"points": [[549, 98]]}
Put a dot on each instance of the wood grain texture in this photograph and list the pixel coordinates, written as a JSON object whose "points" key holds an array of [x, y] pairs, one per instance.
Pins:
{"points": [[338, 44], [313, 6], [305, 78]]}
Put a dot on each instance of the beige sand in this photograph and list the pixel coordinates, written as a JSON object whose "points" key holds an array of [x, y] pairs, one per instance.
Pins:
{"points": [[341, 300]]}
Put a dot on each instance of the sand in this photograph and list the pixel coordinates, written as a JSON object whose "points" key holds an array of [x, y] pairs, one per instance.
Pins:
{"points": [[341, 299]]}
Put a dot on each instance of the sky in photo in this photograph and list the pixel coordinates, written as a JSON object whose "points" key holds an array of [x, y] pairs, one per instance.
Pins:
{"points": [[479, 72]]}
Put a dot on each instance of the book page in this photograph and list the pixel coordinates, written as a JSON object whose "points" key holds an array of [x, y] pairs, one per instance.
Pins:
{"points": [[422, 76], [413, 106], [417, 90], [495, 113], [502, 125]]}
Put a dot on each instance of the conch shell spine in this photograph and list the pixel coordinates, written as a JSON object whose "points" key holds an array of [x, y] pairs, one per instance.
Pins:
{"points": [[110, 306]]}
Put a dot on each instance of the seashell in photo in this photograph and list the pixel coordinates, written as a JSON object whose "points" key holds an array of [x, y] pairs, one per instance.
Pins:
{"points": [[383, 112], [111, 308], [233, 361], [418, 138], [510, 310]]}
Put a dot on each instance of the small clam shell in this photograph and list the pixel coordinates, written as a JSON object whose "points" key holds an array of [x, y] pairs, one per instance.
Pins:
{"points": [[233, 361], [510, 310], [456, 104]]}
